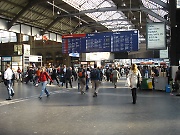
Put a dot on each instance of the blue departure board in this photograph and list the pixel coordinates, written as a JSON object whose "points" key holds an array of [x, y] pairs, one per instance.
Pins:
{"points": [[122, 41], [98, 42]]}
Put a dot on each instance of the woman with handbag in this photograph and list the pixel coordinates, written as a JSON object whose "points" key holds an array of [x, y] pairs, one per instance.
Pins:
{"points": [[134, 74]]}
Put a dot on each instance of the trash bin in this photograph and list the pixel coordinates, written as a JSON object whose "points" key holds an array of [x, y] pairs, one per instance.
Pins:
{"points": [[146, 83], [168, 88]]}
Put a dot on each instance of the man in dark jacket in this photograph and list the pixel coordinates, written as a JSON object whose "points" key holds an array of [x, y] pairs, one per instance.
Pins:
{"points": [[68, 76], [54, 75]]}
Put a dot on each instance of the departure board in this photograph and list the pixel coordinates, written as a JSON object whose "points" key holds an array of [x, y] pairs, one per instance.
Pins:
{"points": [[122, 41], [98, 42], [73, 43]]}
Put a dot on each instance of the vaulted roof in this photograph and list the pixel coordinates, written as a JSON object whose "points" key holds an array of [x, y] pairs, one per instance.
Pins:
{"points": [[62, 17]]}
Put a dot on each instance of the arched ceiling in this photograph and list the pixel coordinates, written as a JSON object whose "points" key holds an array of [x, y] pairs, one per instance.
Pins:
{"points": [[60, 17]]}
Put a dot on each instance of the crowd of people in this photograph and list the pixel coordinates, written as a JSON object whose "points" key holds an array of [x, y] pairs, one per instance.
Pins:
{"points": [[63, 76]]}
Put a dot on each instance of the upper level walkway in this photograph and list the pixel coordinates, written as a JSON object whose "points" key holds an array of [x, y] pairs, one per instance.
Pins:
{"points": [[67, 112]]}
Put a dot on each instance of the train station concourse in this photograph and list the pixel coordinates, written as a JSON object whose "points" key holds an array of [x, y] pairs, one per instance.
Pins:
{"points": [[89, 67]]}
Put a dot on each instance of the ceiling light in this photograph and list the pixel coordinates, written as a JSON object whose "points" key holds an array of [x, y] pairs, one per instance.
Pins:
{"points": [[58, 12], [134, 18], [123, 4]]}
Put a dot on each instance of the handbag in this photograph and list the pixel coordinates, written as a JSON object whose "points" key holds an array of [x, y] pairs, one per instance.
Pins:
{"points": [[127, 83]]}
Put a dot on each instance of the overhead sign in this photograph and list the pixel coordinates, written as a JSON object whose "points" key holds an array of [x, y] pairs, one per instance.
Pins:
{"points": [[6, 58], [122, 41], [73, 43], [156, 36]]}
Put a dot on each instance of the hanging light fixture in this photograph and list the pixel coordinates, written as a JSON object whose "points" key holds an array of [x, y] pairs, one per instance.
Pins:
{"points": [[123, 4]]}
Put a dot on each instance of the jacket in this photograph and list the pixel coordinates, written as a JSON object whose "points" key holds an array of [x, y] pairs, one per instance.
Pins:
{"points": [[44, 76], [134, 78]]}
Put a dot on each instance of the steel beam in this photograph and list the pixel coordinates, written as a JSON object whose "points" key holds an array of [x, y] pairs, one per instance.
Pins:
{"points": [[28, 6], [161, 3], [51, 24]]}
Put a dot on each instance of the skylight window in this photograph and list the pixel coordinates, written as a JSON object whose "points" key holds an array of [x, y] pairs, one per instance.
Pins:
{"points": [[100, 16], [158, 9]]}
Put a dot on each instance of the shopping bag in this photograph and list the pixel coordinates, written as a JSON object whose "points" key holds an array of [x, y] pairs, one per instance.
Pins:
{"points": [[127, 83]]}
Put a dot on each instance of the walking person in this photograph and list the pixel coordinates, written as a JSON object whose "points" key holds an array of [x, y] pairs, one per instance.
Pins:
{"points": [[134, 73], [116, 75], [82, 79], [8, 76], [43, 79], [95, 79]]}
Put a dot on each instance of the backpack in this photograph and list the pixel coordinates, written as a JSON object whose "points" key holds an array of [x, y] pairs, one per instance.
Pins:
{"points": [[81, 73], [94, 74]]}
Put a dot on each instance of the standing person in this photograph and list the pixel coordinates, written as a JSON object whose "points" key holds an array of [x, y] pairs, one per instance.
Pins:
{"points": [[43, 80], [177, 80], [82, 78], [37, 75], [116, 75], [95, 79], [19, 72], [54, 75], [134, 73], [8, 76], [87, 78], [30, 75], [68, 76]]}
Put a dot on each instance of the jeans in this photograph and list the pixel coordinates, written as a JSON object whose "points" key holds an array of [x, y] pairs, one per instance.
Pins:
{"points": [[10, 88], [87, 83], [44, 89]]}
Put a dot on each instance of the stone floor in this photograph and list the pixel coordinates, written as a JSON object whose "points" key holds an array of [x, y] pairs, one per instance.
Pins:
{"points": [[67, 112]]}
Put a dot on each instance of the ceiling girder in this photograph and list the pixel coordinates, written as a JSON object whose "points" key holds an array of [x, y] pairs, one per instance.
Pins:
{"points": [[146, 10], [28, 6], [51, 24], [161, 3]]}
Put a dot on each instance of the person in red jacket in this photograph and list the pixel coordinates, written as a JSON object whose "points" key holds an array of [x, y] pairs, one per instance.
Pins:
{"points": [[43, 79]]}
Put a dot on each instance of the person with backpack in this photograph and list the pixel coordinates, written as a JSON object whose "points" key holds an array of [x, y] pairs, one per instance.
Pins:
{"points": [[43, 79], [177, 80], [95, 79], [82, 79], [8, 76]]}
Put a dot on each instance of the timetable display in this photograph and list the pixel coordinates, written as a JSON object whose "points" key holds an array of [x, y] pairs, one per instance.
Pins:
{"points": [[121, 41]]}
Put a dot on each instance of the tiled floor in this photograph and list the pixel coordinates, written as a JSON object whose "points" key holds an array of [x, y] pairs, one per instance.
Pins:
{"points": [[67, 112]]}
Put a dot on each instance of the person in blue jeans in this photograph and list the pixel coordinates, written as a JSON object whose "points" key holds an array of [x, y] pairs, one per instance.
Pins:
{"points": [[43, 80], [8, 76]]}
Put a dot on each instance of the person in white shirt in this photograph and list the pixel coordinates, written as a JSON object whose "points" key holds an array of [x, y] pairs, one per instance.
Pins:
{"points": [[8, 76], [87, 78], [134, 73], [116, 76]]}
